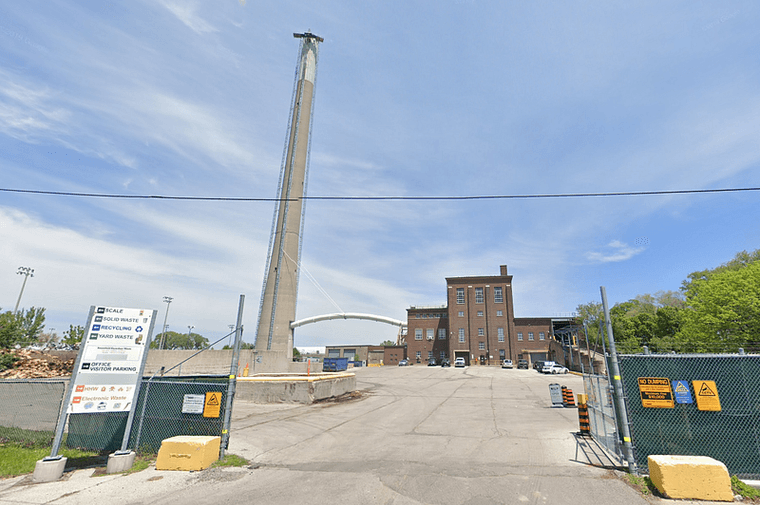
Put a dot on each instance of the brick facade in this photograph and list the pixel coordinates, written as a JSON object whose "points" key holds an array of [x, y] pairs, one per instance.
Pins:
{"points": [[479, 324], [425, 327]]}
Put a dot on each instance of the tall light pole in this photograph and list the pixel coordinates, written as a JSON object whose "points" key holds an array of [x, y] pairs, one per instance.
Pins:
{"points": [[190, 333], [26, 272], [168, 300]]}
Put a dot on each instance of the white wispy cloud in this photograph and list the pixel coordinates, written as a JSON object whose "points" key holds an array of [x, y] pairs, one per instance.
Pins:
{"points": [[187, 12], [614, 252]]}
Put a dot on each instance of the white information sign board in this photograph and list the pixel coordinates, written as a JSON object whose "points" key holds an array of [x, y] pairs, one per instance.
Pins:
{"points": [[111, 360], [193, 404]]}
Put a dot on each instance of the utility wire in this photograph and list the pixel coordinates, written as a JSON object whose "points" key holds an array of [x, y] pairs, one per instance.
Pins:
{"points": [[367, 198]]}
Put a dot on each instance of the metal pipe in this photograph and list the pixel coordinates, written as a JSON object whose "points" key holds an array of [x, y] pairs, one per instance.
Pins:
{"points": [[622, 414], [232, 386]]}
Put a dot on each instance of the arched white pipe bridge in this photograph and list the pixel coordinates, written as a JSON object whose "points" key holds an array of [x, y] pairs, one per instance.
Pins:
{"points": [[347, 315]]}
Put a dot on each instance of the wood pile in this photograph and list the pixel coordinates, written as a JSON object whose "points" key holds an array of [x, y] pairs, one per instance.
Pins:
{"points": [[39, 365]]}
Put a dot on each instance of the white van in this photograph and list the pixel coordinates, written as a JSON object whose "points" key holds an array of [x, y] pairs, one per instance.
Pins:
{"points": [[548, 365]]}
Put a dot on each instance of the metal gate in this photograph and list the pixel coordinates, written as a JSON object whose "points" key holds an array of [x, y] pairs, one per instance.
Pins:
{"points": [[601, 412]]}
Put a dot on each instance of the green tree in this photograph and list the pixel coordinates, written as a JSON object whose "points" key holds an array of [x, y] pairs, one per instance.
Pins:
{"points": [[32, 323], [388, 342], [592, 314], [10, 331], [73, 335], [179, 341], [22, 327], [724, 307], [243, 345]]}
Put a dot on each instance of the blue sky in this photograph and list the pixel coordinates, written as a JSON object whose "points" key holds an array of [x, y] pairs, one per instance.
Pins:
{"points": [[452, 98]]}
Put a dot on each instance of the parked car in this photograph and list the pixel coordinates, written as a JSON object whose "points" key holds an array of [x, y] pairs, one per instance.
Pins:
{"points": [[538, 365], [522, 364], [431, 362], [403, 362], [557, 368], [547, 367], [507, 363], [459, 362], [445, 363]]}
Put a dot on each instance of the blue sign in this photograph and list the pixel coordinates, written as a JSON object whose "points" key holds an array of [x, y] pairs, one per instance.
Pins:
{"points": [[682, 392]]}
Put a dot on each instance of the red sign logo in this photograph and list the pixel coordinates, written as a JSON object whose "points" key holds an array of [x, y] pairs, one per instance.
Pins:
{"points": [[80, 388], [77, 399]]}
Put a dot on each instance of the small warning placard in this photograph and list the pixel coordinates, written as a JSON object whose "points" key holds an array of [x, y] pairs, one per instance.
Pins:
{"points": [[213, 405], [655, 393], [707, 395]]}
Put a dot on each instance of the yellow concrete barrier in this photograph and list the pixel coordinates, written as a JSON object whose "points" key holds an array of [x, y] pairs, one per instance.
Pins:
{"points": [[690, 478], [188, 453]]}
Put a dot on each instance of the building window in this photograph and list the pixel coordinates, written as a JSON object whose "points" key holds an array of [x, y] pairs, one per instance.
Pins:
{"points": [[497, 295], [416, 316], [519, 336], [478, 295], [530, 335], [430, 335], [460, 296], [418, 334], [501, 334], [419, 354], [461, 334], [480, 313], [460, 313], [441, 333], [481, 332], [430, 354], [499, 313], [541, 335], [501, 353], [442, 355], [482, 346]]}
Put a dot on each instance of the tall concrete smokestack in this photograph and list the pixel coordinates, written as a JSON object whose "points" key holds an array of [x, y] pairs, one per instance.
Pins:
{"points": [[278, 295]]}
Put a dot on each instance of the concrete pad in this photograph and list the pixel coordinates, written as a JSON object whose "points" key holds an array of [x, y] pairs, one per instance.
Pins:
{"points": [[48, 471], [188, 453], [293, 388], [690, 477], [118, 463]]}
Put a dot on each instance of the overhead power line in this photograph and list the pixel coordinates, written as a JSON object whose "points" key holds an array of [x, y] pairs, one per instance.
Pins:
{"points": [[380, 197]]}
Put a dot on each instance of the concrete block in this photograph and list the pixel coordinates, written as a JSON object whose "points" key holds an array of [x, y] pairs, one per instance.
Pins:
{"points": [[188, 453], [690, 477], [49, 471], [118, 462]]}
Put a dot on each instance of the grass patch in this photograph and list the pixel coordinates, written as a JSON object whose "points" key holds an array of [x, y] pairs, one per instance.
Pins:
{"points": [[643, 485], [26, 438], [748, 492], [231, 460], [16, 459]]}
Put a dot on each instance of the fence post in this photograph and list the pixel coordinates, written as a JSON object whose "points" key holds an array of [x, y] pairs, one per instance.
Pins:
{"points": [[233, 379], [588, 348], [622, 414]]}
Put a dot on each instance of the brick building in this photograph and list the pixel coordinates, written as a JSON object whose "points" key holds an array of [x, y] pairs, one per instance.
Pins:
{"points": [[478, 323]]}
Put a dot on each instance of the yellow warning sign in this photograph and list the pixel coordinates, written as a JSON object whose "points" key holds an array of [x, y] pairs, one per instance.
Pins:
{"points": [[655, 393], [707, 395], [213, 405]]}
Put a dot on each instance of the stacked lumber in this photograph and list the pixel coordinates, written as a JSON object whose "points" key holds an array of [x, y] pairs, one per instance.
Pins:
{"points": [[36, 365]]}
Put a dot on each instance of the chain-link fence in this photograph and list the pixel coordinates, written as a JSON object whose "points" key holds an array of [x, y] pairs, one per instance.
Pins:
{"points": [[601, 412], [730, 435], [29, 412], [160, 417], [29, 409]]}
